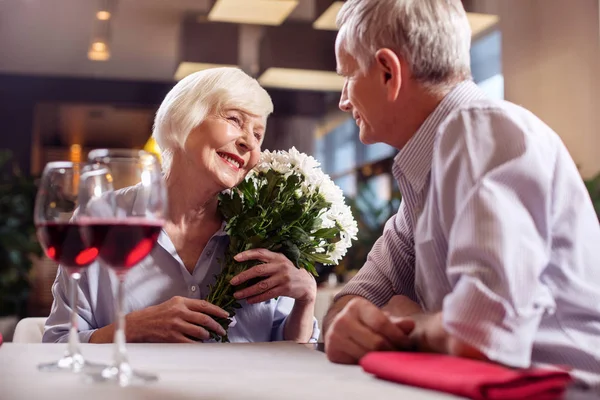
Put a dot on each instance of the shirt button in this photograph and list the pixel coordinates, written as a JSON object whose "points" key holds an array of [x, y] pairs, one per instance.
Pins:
{"points": [[193, 288], [209, 253]]}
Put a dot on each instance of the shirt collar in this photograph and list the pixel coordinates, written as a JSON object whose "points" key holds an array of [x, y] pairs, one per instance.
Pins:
{"points": [[414, 160], [221, 231], [165, 241]]}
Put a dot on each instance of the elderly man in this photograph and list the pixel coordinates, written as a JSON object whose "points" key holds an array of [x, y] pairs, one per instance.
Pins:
{"points": [[492, 252]]}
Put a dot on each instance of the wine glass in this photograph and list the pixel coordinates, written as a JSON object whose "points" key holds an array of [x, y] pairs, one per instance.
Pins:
{"points": [[59, 233], [124, 224]]}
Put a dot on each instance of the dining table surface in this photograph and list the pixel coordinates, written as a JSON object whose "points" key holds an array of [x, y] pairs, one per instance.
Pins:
{"points": [[215, 371]]}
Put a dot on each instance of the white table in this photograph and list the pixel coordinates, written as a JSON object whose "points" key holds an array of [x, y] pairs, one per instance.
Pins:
{"points": [[258, 371]]}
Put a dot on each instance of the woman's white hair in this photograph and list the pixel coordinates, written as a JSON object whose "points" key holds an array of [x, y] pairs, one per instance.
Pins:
{"points": [[196, 96], [432, 36]]}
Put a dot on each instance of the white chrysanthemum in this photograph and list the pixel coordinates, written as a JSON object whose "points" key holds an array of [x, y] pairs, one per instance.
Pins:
{"points": [[331, 192], [262, 167], [280, 167], [267, 157], [303, 163], [328, 221], [315, 178], [313, 181], [339, 251]]}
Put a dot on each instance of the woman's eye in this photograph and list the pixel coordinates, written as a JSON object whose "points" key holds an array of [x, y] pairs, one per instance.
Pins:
{"points": [[258, 136], [235, 119]]}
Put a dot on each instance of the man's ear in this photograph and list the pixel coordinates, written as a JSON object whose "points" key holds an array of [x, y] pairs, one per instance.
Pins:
{"points": [[389, 69]]}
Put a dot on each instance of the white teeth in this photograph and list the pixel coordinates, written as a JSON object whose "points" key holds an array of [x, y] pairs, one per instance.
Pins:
{"points": [[231, 160]]}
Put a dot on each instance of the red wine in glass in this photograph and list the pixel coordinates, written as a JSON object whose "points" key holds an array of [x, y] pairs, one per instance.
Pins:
{"points": [[123, 243], [59, 232], [66, 244], [124, 232]]}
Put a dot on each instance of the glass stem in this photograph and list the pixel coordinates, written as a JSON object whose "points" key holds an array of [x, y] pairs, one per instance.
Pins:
{"points": [[73, 350], [120, 355]]}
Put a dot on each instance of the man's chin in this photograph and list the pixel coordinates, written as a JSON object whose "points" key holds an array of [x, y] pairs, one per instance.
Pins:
{"points": [[366, 138]]}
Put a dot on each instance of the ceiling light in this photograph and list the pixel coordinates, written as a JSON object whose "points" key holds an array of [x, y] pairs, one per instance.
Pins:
{"points": [[99, 46], [98, 55], [103, 15], [105, 9], [259, 12], [301, 79], [327, 20], [188, 68]]}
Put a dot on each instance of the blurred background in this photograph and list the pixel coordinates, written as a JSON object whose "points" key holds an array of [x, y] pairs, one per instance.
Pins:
{"points": [[81, 74]]}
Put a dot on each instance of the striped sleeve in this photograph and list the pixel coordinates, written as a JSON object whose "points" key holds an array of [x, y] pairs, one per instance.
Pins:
{"points": [[390, 266]]}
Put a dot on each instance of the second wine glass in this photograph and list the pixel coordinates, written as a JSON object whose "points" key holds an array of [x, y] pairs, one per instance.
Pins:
{"points": [[124, 225]]}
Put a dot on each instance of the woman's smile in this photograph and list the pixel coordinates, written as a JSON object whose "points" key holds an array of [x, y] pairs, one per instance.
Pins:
{"points": [[232, 160]]}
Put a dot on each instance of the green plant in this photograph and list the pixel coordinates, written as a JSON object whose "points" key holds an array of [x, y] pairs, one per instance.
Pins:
{"points": [[17, 235], [371, 215], [593, 187]]}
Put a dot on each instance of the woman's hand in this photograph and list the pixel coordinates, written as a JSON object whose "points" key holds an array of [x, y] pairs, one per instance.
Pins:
{"points": [[281, 278], [178, 320]]}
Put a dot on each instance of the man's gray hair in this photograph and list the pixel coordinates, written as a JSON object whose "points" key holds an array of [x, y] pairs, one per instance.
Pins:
{"points": [[432, 36], [198, 95]]}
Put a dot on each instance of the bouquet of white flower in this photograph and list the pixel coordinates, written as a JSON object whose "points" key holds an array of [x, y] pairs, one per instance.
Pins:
{"points": [[287, 205]]}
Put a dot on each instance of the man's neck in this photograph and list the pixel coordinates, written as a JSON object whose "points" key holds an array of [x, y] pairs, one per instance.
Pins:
{"points": [[421, 102]]}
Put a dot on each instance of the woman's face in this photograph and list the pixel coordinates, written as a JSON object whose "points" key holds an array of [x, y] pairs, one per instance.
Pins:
{"points": [[225, 147]]}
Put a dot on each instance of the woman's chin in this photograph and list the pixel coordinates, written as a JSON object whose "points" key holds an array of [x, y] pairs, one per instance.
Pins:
{"points": [[229, 183]]}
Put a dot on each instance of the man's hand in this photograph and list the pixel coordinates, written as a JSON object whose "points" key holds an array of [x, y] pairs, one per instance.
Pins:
{"points": [[401, 306], [178, 320], [430, 336], [361, 327]]}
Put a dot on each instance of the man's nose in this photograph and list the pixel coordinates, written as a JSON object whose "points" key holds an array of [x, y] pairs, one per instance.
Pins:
{"points": [[344, 104]]}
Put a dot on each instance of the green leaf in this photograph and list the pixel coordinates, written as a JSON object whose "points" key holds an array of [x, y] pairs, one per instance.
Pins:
{"points": [[291, 251], [292, 213], [327, 233], [299, 236], [320, 258]]}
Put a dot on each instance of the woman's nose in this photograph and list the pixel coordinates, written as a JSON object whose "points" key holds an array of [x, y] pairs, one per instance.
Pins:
{"points": [[246, 142]]}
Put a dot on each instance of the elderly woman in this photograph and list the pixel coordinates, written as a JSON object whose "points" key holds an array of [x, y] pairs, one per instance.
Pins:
{"points": [[210, 128]]}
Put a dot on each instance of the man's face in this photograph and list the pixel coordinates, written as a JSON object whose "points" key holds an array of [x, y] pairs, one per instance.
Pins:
{"points": [[363, 97]]}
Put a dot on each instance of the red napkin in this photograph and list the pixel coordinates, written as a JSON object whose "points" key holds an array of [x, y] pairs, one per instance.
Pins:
{"points": [[0, 339], [465, 377]]}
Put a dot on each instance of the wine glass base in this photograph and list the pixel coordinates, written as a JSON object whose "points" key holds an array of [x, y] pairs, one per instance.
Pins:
{"points": [[74, 364], [123, 376]]}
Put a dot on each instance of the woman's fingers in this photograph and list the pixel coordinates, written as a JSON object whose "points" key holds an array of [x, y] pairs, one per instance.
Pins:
{"points": [[255, 272], [263, 255], [259, 288], [204, 307], [191, 330], [266, 296], [203, 320]]}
